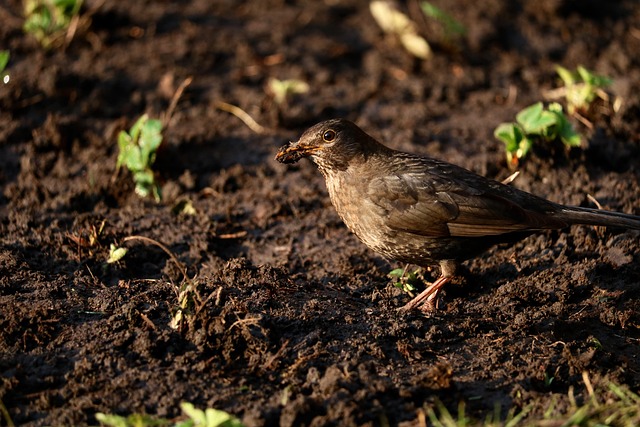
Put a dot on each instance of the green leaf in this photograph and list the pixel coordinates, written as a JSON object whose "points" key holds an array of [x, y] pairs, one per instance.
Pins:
{"points": [[116, 253], [157, 195], [129, 154], [517, 144], [150, 140], [535, 120], [143, 190], [555, 107], [281, 89], [4, 59], [451, 25], [565, 75], [593, 79], [134, 159], [524, 147], [146, 185], [568, 135], [111, 420], [510, 134], [581, 87], [47, 19], [138, 153], [407, 281], [208, 418], [185, 207], [137, 126], [144, 177], [133, 420], [563, 128], [398, 272], [124, 141]]}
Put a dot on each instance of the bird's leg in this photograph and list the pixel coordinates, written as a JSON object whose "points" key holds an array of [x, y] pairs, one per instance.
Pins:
{"points": [[427, 299]]}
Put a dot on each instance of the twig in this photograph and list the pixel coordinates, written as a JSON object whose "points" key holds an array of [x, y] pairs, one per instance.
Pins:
{"points": [[242, 115], [71, 30], [148, 321], [248, 321], [512, 95], [269, 363], [174, 100], [206, 300], [596, 202], [231, 235], [557, 93], [164, 248], [422, 418], [5, 415], [508, 180], [80, 21], [587, 383], [583, 120], [218, 295], [599, 229]]}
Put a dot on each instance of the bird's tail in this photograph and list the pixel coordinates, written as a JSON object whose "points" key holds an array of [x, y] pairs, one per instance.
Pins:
{"points": [[588, 216]]}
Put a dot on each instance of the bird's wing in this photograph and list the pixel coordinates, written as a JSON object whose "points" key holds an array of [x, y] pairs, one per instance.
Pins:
{"points": [[490, 214], [452, 202], [405, 207]]}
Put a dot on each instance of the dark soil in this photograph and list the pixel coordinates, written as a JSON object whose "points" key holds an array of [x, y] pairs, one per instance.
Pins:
{"points": [[298, 322]]}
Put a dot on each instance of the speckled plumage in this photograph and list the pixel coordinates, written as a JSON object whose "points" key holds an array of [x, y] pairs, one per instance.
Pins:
{"points": [[423, 211]]}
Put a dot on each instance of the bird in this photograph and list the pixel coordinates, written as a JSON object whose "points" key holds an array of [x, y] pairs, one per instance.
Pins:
{"points": [[419, 210]]}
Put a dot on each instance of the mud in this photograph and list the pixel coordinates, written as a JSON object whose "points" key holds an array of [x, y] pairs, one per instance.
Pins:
{"points": [[293, 321]]}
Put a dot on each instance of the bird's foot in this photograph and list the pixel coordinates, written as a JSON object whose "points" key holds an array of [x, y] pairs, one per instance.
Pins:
{"points": [[428, 307], [427, 300]]}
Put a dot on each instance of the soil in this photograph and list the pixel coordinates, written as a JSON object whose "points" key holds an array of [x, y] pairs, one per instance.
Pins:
{"points": [[289, 319]]}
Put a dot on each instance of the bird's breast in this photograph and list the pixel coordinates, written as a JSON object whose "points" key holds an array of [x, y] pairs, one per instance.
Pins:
{"points": [[348, 193]]}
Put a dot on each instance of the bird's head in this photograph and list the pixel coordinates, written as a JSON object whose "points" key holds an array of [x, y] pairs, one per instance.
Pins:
{"points": [[331, 145]]}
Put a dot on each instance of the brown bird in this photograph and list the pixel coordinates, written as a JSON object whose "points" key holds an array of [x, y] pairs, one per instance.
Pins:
{"points": [[423, 211]]}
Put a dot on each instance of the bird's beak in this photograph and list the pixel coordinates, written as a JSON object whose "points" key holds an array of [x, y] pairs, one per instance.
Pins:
{"points": [[294, 151]]}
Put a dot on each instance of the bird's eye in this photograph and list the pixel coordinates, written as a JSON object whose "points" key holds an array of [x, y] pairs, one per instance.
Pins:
{"points": [[329, 135]]}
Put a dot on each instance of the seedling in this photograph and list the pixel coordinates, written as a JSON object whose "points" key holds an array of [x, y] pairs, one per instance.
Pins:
{"points": [[196, 418], [116, 253], [548, 380], [535, 123], [4, 60], [439, 416], [190, 302], [5, 415], [394, 22], [138, 153], [595, 343], [615, 406], [452, 27], [444, 418], [184, 207], [88, 238], [207, 418], [242, 115], [581, 88], [48, 20], [406, 282], [282, 89], [133, 420]]}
